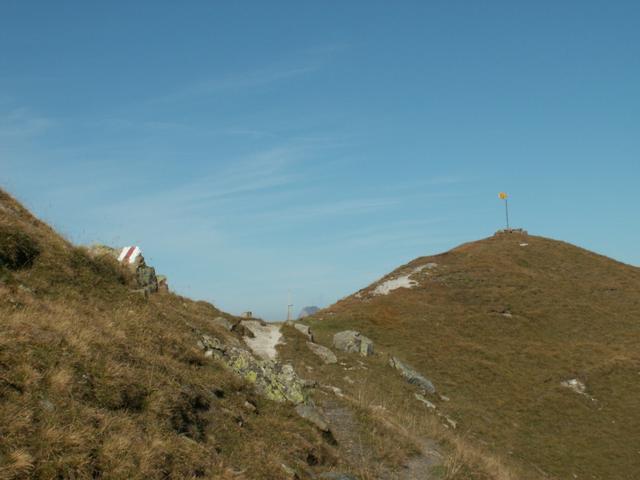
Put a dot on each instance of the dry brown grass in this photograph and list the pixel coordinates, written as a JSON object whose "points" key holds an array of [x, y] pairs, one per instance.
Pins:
{"points": [[99, 382], [574, 314], [393, 424]]}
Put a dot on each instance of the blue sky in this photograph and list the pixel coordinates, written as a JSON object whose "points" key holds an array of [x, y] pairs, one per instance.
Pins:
{"points": [[256, 148]]}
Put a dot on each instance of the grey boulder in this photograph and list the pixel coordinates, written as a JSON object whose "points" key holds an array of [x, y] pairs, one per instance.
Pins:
{"points": [[146, 278], [305, 330], [353, 342], [412, 376], [325, 354]]}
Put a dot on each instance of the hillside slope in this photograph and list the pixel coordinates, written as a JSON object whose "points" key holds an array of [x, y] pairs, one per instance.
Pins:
{"points": [[534, 343], [98, 381]]}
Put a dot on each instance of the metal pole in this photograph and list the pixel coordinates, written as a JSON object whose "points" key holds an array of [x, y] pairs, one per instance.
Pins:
{"points": [[506, 210]]}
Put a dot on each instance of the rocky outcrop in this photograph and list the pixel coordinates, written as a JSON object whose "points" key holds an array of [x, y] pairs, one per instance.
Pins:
{"points": [[146, 278], [325, 354], [412, 376], [241, 329], [305, 330], [353, 342], [275, 381]]}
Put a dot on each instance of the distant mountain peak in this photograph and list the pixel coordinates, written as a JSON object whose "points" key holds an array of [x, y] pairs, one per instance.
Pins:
{"points": [[308, 311]]}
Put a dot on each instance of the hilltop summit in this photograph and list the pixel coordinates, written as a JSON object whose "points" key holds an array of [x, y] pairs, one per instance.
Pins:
{"points": [[535, 342]]}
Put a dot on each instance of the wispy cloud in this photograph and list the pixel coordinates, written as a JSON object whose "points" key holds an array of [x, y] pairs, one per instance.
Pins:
{"points": [[221, 190], [312, 211], [22, 122], [238, 81], [401, 233]]}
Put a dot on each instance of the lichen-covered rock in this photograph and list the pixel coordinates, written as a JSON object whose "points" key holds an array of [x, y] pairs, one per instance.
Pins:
{"points": [[305, 330], [353, 342], [146, 278], [274, 380], [325, 354], [412, 376]]}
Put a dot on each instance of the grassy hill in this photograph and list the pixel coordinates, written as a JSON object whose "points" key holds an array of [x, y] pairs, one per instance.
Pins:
{"points": [[498, 325], [100, 381], [97, 381]]}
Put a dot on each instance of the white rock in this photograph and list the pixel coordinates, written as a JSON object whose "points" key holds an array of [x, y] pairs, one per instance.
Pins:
{"points": [[575, 385], [424, 400], [266, 337], [404, 281]]}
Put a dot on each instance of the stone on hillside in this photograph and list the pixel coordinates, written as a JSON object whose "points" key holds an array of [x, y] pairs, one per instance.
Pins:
{"points": [[274, 380], [250, 407], [366, 346], [132, 257], [323, 352], [412, 376], [146, 278], [223, 322], [163, 283], [353, 342], [305, 330], [575, 385], [450, 421], [241, 329], [421, 398], [311, 414]]}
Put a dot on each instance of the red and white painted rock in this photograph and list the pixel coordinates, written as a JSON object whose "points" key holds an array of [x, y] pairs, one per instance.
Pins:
{"points": [[129, 255]]}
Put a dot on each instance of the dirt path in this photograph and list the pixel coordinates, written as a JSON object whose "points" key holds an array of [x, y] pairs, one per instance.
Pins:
{"points": [[265, 340], [345, 428]]}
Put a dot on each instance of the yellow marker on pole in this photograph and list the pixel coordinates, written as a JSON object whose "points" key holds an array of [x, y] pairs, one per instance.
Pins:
{"points": [[505, 197]]}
